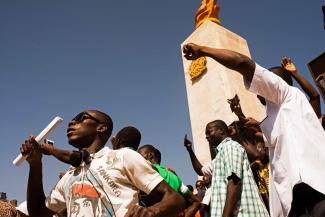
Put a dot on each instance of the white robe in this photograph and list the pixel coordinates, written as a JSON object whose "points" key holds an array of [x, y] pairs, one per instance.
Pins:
{"points": [[295, 138]]}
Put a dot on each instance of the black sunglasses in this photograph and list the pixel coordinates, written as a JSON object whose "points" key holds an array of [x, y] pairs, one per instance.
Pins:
{"points": [[85, 115]]}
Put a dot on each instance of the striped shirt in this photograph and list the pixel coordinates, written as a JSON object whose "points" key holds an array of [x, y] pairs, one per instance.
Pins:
{"points": [[232, 158]]}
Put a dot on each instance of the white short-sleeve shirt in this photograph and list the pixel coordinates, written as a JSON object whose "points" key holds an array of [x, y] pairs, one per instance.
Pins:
{"points": [[110, 184], [295, 138]]}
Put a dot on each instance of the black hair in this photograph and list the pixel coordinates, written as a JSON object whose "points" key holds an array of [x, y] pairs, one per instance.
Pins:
{"points": [[155, 152], [129, 137], [190, 187], [220, 124], [282, 73], [108, 122]]}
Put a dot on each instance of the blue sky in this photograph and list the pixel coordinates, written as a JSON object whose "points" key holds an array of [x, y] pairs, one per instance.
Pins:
{"points": [[123, 58]]}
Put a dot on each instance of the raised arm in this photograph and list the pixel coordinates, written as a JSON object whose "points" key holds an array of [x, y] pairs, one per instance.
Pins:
{"points": [[35, 193], [66, 156], [197, 166], [230, 59], [314, 98]]}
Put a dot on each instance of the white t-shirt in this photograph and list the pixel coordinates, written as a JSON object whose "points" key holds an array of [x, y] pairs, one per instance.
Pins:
{"points": [[109, 184], [295, 138]]}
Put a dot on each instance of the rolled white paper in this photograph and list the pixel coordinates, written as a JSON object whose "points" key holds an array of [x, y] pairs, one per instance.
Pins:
{"points": [[47, 130]]}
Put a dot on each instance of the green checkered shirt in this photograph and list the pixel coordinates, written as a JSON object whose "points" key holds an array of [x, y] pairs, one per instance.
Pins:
{"points": [[232, 158]]}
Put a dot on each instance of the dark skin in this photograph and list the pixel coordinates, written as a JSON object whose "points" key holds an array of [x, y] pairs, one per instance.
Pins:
{"points": [[233, 195], [88, 135], [83, 135], [314, 98], [60, 154], [166, 207], [215, 135], [148, 155], [192, 200], [197, 166], [230, 59]]}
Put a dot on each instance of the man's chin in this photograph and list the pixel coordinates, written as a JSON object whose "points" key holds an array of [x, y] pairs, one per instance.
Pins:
{"points": [[74, 143]]}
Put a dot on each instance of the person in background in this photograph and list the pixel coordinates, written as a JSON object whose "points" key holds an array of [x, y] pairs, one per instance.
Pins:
{"points": [[234, 191], [314, 98], [153, 155]]}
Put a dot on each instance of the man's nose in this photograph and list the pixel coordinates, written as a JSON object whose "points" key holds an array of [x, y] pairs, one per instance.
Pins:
{"points": [[72, 122]]}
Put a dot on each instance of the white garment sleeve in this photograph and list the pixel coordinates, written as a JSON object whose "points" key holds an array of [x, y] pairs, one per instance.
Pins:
{"points": [[184, 189], [140, 172], [207, 197], [268, 85], [207, 169], [56, 199]]}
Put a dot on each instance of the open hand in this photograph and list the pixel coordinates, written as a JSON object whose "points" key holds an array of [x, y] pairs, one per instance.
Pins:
{"points": [[192, 51], [288, 65]]}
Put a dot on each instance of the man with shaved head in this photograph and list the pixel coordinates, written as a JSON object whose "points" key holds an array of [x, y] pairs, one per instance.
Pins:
{"points": [[234, 191], [105, 182]]}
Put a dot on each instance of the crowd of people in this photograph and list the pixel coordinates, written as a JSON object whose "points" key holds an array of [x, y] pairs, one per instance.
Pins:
{"points": [[271, 167], [267, 168]]}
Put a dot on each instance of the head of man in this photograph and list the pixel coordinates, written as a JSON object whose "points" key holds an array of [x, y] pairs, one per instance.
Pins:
{"points": [[89, 128], [150, 153], [282, 73], [128, 137], [199, 185], [215, 132]]}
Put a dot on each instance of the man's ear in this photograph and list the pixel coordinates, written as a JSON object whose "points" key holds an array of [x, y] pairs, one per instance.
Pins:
{"points": [[102, 128]]}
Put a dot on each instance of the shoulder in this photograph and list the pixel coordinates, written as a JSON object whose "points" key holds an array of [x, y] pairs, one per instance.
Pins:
{"points": [[229, 144], [128, 153]]}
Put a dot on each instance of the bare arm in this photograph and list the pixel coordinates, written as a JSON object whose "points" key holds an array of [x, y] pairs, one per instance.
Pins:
{"points": [[230, 59], [60, 154], [233, 195], [195, 205], [35, 193], [314, 98], [197, 166], [171, 204]]}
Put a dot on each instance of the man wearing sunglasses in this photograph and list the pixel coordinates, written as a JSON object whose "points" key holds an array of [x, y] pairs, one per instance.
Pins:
{"points": [[106, 183]]}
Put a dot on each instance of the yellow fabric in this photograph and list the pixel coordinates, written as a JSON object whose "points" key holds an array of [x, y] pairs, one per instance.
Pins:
{"points": [[263, 177]]}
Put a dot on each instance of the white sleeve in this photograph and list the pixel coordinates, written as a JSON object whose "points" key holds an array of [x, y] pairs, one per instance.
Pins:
{"points": [[184, 189], [56, 199], [207, 197], [23, 208], [140, 172], [268, 85], [207, 169]]}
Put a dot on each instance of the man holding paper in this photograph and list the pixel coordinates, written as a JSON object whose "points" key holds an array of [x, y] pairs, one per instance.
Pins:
{"points": [[106, 183]]}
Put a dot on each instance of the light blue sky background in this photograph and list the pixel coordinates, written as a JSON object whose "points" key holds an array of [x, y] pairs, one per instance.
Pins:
{"points": [[123, 57]]}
